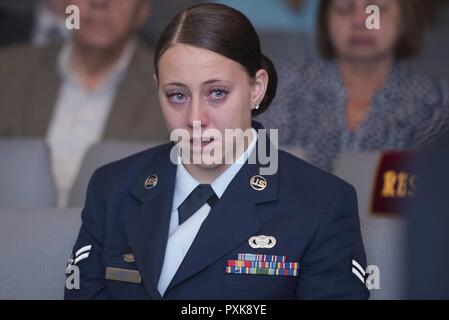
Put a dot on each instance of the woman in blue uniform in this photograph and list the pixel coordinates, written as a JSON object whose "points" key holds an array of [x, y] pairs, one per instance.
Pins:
{"points": [[201, 219]]}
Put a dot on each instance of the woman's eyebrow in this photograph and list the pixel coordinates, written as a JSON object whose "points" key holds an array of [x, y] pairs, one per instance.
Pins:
{"points": [[209, 82], [177, 84]]}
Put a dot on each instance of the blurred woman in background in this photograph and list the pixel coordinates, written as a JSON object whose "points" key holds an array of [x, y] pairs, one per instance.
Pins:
{"points": [[360, 95]]}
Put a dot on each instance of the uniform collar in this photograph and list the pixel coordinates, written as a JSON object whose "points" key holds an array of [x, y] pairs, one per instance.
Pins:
{"points": [[185, 183]]}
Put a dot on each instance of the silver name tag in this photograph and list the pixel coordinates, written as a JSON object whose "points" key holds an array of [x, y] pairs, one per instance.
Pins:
{"points": [[123, 275]]}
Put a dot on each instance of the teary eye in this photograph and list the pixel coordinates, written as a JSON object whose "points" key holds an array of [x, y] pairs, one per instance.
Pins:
{"points": [[176, 97], [218, 93]]}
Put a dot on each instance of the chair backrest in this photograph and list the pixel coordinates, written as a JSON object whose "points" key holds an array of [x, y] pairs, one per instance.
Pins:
{"points": [[35, 245], [98, 155], [383, 237], [25, 174]]}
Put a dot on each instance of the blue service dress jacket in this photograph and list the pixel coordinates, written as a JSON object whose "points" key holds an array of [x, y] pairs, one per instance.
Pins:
{"points": [[296, 236]]}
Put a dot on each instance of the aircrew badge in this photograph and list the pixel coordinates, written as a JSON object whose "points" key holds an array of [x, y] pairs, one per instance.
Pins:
{"points": [[262, 242]]}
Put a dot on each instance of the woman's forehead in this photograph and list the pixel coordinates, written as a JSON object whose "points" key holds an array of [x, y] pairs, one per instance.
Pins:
{"points": [[187, 63]]}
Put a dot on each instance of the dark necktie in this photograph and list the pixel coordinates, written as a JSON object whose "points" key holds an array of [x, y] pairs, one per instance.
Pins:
{"points": [[196, 199]]}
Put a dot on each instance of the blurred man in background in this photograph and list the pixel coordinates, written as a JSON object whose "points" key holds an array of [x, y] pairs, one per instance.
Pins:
{"points": [[97, 86]]}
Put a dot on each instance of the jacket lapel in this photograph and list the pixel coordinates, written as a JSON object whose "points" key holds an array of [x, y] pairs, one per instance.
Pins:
{"points": [[147, 226], [43, 94], [232, 221]]}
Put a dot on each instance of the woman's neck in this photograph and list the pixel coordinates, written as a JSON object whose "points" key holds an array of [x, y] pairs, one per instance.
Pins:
{"points": [[365, 76], [206, 175]]}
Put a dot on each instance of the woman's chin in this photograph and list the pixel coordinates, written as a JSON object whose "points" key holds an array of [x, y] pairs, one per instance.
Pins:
{"points": [[206, 165]]}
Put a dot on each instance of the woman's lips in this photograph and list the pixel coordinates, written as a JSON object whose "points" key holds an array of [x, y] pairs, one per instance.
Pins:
{"points": [[361, 41], [201, 142]]}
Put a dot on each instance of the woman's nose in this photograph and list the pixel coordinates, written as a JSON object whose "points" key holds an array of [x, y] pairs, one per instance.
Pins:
{"points": [[198, 113], [359, 16]]}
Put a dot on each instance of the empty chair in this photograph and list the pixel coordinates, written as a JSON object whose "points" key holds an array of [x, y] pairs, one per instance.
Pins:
{"points": [[98, 155], [383, 236], [25, 174], [35, 245]]}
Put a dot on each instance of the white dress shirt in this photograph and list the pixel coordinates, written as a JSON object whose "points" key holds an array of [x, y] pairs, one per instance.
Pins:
{"points": [[181, 236], [79, 118]]}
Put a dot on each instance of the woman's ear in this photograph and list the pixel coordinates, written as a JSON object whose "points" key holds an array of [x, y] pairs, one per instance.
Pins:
{"points": [[260, 85]]}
